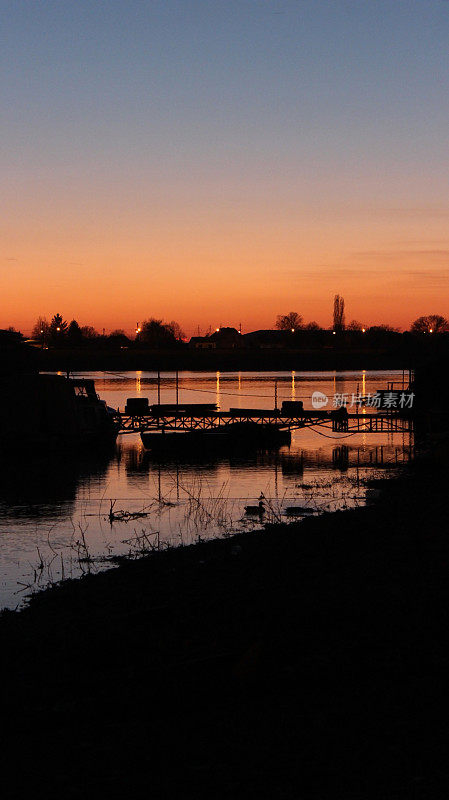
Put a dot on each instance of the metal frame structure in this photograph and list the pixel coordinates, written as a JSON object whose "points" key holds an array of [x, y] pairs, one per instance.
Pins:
{"points": [[364, 423]]}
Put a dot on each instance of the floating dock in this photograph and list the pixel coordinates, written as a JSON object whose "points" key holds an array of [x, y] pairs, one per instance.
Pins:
{"points": [[187, 419]]}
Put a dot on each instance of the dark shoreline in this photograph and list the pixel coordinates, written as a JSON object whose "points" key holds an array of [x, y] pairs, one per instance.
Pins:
{"points": [[304, 661], [223, 360]]}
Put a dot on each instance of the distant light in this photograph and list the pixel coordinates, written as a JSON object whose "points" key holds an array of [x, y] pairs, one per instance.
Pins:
{"points": [[334, 332], [293, 330], [217, 329], [58, 329], [430, 330], [363, 330]]}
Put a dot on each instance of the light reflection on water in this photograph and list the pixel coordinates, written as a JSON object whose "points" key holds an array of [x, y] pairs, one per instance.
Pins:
{"points": [[51, 508]]}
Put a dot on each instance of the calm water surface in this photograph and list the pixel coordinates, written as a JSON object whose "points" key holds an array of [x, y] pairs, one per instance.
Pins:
{"points": [[54, 511]]}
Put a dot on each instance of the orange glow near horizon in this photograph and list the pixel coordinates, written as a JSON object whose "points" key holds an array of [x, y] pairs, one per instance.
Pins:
{"points": [[250, 270]]}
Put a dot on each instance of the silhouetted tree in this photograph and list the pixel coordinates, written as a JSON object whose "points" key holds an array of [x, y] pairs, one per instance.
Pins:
{"points": [[355, 325], [41, 330], [382, 329], [74, 335], [58, 329], [382, 335], [155, 333], [89, 332], [339, 313], [288, 322], [176, 330], [118, 338], [433, 323], [312, 326]]}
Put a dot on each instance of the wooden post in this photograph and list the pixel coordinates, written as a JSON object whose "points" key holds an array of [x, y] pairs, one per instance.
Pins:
{"points": [[159, 387]]}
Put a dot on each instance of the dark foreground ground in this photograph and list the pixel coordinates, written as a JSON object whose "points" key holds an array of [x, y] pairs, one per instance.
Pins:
{"points": [[308, 661]]}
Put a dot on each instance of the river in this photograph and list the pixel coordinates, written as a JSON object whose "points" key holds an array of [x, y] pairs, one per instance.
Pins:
{"points": [[54, 511]]}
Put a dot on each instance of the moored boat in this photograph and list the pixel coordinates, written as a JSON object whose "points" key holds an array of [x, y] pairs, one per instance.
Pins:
{"points": [[52, 411]]}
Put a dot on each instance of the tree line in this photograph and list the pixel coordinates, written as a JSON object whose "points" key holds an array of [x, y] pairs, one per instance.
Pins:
{"points": [[152, 332], [293, 321], [157, 333]]}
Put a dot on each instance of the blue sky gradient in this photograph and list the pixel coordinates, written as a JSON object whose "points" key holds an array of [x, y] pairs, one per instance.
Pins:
{"points": [[156, 134]]}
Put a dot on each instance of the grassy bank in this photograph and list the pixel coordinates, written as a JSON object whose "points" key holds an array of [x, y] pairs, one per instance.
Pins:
{"points": [[304, 661]]}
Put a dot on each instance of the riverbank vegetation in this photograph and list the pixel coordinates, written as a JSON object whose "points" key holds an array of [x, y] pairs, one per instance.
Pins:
{"points": [[307, 660]]}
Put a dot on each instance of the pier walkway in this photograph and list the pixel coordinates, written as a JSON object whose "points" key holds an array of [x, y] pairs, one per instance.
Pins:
{"points": [[377, 422]]}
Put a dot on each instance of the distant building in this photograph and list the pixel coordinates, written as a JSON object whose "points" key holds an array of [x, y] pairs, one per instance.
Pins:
{"points": [[227, 338], [223, 339], [299, 339], [268, 339], [10, 337], [202, 343]]}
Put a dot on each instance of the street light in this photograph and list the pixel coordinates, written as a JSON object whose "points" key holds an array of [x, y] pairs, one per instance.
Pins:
{"points": [[363, 330]]}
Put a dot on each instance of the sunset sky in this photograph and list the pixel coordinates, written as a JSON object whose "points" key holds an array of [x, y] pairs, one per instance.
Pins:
{"points": [[223, 161]]}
